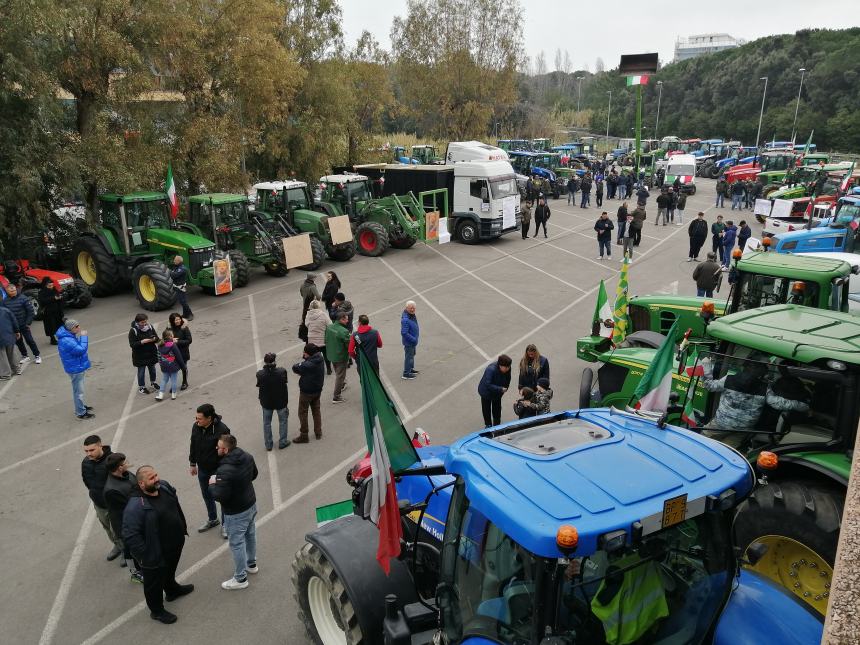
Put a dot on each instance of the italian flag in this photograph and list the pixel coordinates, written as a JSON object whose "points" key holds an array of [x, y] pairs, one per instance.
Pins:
{"points": [[652, 393], [170, 189], [391, 451], [694, 371], [603, 312], [637, 80]]}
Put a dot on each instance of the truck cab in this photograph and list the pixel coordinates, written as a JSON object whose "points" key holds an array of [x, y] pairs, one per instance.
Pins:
{"points": [[486, 201]]}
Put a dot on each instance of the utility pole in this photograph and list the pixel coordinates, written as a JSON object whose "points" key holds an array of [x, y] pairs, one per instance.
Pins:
{"points": [[659, 98], [802, 71], [608, 112], [761, 114], [579, 94]]}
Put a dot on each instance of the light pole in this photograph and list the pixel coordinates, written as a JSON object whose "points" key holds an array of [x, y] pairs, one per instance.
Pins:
{"points": [[761, 114], [608, 112], [579, 94], [802, 71], [659, 98]]}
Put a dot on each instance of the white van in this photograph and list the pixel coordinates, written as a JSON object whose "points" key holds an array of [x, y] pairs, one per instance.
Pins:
{"points": [[683, 168]]}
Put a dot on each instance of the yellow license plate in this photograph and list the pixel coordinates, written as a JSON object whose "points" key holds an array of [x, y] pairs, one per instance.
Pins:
{"points": [[674, 511]]}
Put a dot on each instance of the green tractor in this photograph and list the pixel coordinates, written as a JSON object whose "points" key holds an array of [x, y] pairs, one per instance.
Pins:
{"points": [[237, 231], [781, 382], [136, 244], [288, 209], [425, 154], [395, 220]]}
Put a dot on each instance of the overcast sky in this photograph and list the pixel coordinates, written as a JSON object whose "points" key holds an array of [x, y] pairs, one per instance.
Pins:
{"points": [[608, 29]]}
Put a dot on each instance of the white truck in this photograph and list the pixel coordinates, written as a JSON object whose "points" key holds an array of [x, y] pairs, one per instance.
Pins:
{"points": [[459, 151]]}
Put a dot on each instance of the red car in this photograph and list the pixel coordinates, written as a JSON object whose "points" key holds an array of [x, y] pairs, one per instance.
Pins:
{"points": [[76, 293]]}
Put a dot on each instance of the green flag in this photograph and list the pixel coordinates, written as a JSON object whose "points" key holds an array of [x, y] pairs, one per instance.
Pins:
{"points": [[603, 312], [620, 320], [652, 393]]}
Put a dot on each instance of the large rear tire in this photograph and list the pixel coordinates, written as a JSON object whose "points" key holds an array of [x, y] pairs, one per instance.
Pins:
{"points": [[770, 188], [585, 384], [318, 251], [152, 286], [341, 252], [243, 270], [95, 266], [324, 606], [714, 171], [799, 521], [276, 269], [371, 239], [82, 297]]}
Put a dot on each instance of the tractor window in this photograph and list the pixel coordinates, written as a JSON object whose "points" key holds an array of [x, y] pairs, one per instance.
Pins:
{"points": [[747, 401], [231, 214], [667, 589], [493, 582], [146, 214], [357, 191], [761, 290], [297, 198], [110, 215]]}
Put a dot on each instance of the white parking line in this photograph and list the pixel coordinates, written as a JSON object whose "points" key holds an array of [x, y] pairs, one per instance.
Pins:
{"points": [[538, 269], [274, 477], [581, 257], [487, 284], [420, 295], [62, 596]]}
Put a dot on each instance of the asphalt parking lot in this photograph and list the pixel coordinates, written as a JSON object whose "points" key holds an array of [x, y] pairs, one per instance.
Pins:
{"points": [[473, 303]]}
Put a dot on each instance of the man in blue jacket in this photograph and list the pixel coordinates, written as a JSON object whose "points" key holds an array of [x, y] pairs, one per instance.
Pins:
{"points": [[72, 344], [22, 309], [730, 234], [409, 336], [154, 530], [494, 383]]}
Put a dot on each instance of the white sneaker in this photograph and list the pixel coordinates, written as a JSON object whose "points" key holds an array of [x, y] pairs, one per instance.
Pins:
{"points": [[24, 360], [172, 396], [252, 568], [232, 584], [689, 259], [159, 396], [38, 360]]}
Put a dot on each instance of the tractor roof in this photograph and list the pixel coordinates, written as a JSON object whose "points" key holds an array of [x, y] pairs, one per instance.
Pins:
{"points": [[278, 185], [343, 179], [793, 332], [574, 468], [139, 196], [821, 269], [218, 198]]}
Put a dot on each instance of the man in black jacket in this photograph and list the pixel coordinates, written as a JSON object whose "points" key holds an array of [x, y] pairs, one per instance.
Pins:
{"points": [[94, 473], [154, 527], [698, 232], [272, 384], [203, 457], [232, 485], [118, 488], [311, 371]]}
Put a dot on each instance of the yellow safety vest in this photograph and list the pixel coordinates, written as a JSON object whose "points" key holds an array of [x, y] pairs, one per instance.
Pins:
{"points": [[639, 603]]}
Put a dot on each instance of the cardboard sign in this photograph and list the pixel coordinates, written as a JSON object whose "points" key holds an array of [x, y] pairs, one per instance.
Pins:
{"points": [[762, 207], [781, 208], [431, 226], [753, 244], [509, 212], [223, 276], [444, 235], [297, 250], [340, 229]]}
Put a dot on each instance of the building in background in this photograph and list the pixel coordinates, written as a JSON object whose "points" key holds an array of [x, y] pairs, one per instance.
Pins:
{"points": [[693, 46]]}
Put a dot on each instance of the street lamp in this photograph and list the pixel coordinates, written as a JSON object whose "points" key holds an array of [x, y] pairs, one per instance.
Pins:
{"points": [[802, 71], [761, 114], [608, 112], [659, 97], [579, 93]]}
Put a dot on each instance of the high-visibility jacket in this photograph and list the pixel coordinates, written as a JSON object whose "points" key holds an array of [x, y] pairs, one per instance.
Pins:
{"points": [[639, 602]]}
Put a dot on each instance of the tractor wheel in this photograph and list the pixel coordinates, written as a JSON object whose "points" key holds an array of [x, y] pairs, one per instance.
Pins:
{"points": [[342, 252], [403, 242], [371, 238], [585, 388], [96, 267], [324, 606], [799, 522], [33, 296], [714, 171], [468, 232], [82, 298], [770, 188], [152, 286], [318, 251], [276, 269], [243, 270]]}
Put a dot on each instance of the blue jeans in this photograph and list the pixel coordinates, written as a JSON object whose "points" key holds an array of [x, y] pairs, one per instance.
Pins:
{"points": [[408, 359], [242, 537], [727, 254], [283, 413], [736, 201], [720, 198], [211, 510], [622, 226], [586, 198], [622, 191], [141, 373], [78, 392], [169, 377], [704, 293], [605, 245]]}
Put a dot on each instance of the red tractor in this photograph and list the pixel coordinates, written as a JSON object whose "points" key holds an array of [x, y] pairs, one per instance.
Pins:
{"points": [[76, 293]]}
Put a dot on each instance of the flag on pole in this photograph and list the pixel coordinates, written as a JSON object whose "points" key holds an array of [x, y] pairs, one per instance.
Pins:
{"points": [[637, 80], [846, 181], [170, 189], [603, 312], [688, 415], [690, 366], [620, 319], [391, 451], [806, 149], [652, 392]]}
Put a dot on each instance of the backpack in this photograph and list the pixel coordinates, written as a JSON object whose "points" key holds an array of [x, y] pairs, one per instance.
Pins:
{"points": [[166, 361]]}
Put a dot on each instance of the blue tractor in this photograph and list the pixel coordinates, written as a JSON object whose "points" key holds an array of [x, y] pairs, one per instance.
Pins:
{"points": [[532, 164], [579, 527], [740, 155], [839, 234]]}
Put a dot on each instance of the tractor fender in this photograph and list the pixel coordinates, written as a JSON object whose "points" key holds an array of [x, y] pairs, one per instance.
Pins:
{"points": [[349, 544], [760, 612], [108, 240]]}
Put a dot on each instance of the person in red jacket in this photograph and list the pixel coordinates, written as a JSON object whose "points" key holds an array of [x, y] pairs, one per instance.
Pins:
{"points": [[369, 339]]}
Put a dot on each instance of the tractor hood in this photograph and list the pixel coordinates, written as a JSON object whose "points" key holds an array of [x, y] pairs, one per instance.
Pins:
{"points": [[178, 240], [573, 468]]}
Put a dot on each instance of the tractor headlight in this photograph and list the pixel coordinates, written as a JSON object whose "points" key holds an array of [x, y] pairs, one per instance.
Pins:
{"points": [[612, 541]]}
